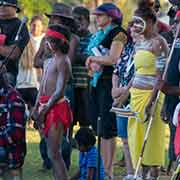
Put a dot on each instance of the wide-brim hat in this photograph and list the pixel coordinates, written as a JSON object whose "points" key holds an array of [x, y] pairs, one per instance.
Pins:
{"points": [[61, 10], [12, 3]]}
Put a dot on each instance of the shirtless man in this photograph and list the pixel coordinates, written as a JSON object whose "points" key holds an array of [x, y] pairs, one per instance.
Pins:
{"points": [[54, 114]]}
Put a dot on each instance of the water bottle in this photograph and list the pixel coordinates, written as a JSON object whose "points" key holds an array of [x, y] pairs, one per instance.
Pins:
{"points": [[104, 51]]}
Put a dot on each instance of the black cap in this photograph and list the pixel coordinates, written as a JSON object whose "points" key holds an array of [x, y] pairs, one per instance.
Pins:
{"points": [[12, 3]]}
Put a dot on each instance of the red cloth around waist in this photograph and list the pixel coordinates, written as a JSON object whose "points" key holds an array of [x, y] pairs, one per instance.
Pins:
{"points": [[60, 112]]}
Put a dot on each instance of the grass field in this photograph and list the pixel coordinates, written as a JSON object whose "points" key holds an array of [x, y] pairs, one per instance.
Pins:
{"points": [[33, 163]]}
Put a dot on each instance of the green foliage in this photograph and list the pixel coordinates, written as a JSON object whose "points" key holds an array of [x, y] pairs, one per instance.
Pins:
{"points": [[33, 7]]}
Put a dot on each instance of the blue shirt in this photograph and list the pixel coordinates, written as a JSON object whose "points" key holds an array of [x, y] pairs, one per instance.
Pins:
{"points": [[89, 160], [84, 42]]}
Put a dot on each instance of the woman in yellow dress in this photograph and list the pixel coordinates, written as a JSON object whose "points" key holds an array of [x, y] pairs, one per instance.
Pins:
{"points": [[149, 47]]}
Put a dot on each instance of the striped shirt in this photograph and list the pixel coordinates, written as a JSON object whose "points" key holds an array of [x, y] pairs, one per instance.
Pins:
{"points": [[80, 73], [89, 160]]}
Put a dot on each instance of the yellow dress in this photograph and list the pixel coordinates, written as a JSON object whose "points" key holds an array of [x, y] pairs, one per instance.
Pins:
{"points": [[154, 154]]}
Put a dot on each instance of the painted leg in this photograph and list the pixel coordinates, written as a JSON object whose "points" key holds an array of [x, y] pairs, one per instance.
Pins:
{"points": [[54, 141]]}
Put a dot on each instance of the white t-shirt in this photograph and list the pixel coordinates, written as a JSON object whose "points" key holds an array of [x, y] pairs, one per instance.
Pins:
{"points": [[36, 41], [27, 78]]}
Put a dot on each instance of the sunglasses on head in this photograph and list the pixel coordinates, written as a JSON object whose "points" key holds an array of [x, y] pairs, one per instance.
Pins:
{"points": [[138, 23]]}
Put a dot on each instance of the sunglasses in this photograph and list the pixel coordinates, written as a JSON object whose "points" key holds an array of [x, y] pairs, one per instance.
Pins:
{"points": [[139, 23]]}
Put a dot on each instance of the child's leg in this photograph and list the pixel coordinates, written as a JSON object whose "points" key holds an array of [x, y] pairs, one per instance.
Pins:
{"points": [[44, 154], [54, 141], [127, 155], [66, 152]]}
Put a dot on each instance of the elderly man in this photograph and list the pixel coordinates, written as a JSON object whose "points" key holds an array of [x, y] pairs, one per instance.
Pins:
{"points": [[9, 25]]}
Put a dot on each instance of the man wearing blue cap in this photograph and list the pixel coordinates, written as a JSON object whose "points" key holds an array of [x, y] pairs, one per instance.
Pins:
{"points": [[9, 25]]}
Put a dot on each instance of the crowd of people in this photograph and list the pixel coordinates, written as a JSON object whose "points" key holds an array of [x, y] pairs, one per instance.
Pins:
{"points": [[57, 77]]}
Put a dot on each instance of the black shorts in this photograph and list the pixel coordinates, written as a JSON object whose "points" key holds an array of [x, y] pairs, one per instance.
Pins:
{"points": [[29, 95], [81, 108], [101, 103]]}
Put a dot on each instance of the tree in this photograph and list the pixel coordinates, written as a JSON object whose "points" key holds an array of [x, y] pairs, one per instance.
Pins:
{"points": [[33, 7]]}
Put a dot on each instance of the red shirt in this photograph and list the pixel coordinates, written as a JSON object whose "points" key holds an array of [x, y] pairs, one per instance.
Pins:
{"points": [[163, 27]]}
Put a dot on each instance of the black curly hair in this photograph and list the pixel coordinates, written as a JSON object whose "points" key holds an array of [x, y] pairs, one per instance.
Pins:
{"points": [[86, 137], [82, 11], [146, 11], [60, 44]]}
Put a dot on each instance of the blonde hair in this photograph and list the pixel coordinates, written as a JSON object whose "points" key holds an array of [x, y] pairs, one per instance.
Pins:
{"points": [[27, 57]]}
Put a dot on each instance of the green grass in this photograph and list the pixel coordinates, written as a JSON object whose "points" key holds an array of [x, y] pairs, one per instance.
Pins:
{"points": [[33, 163]]}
